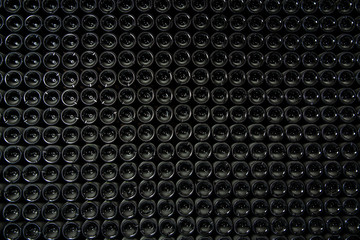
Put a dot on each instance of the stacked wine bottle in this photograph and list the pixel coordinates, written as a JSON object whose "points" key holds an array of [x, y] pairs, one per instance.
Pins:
{"points": [[180, 119]]}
